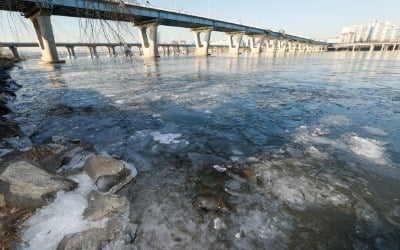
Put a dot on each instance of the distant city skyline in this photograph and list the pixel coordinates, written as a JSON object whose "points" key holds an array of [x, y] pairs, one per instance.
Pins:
{"points": [[314, 19]]}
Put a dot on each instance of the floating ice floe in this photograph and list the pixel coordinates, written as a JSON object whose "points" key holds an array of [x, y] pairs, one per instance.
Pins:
{"points": [[374, 131], [166, 138], [368, 148], [335, 120], [120, 101], [301, 192], [219, 168]]}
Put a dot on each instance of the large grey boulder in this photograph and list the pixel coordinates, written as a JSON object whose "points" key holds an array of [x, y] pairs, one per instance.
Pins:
{"points": [[25, 185], [117, 234], [107, 171], [109, 205], [90, 239]]}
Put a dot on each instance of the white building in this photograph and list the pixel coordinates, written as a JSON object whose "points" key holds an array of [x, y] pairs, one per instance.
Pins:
{"points": [[379, 31]]}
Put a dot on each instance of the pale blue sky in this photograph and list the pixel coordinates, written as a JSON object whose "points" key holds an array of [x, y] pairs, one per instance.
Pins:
{"points": [[309, 18]]}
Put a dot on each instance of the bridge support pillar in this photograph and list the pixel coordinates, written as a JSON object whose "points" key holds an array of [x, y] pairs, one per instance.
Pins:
{"points": [[234, 40], [71, 52], [127, 51], [111, 51], [14, 52], [202, 44], [148, 34], [255, 43], [93, 51], [44, 31], [289, 47]]}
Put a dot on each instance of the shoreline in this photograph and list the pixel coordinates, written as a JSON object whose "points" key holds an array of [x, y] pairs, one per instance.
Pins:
{"points": [[57, 172]]}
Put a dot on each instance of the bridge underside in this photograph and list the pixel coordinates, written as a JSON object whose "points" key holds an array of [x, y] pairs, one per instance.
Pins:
{"points": [[110, 10], [147, 19]]}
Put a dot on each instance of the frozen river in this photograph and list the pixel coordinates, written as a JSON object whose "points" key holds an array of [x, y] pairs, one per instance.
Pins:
{"points": [[270, 152]]}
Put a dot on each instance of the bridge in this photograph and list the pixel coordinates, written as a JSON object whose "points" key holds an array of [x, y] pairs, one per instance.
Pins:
{"points": [[365, 46], [165, 48], [147, 19]]}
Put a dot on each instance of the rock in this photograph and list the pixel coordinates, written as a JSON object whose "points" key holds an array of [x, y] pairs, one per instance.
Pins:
{"points": [[25, 185], [2, 201], [90, 239], [8, 129], [118, 234], [109, 205], [98, 166], [210, 204], [105, 183], [106, 171], [4, 109], [122, 232]]}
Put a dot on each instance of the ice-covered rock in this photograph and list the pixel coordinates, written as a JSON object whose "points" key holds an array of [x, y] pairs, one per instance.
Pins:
{"points": [[107, 171], [117, 234], [109, 205], [89, 239], [25, 185]]}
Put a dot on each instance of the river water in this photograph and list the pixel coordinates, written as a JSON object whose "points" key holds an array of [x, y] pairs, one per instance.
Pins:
{"points": [[271, 152]]}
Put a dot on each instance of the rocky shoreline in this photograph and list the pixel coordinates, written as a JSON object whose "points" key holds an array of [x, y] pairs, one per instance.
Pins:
{"points": [[61, 194]]}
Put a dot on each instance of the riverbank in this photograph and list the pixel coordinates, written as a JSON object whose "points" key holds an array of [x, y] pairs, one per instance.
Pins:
{"points": [[39, 181]]}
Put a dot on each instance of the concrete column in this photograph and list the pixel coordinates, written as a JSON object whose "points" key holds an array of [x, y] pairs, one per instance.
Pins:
{"points": [[93, 51], [383, 47], [127, 51], [234, 40], [289, 46], [71, 52], [14, 52], [187, 50], [111, 51], [255, 43], [148, 34], [44, 31], [202, 46], [297, 47], [394, 47]]}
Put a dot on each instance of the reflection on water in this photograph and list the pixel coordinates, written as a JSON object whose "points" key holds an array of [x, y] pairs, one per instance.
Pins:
{"points": [[276, 151]]}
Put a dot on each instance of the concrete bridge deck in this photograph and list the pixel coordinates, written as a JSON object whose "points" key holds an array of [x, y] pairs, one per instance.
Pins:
{"points": [[147, 19], [138, 14]]}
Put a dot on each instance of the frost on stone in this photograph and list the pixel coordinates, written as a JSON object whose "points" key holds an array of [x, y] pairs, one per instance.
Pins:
{"points": [[62, 217]]}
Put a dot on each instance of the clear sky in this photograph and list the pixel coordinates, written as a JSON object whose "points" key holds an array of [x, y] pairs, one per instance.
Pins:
{"points": [[308, 18]]}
